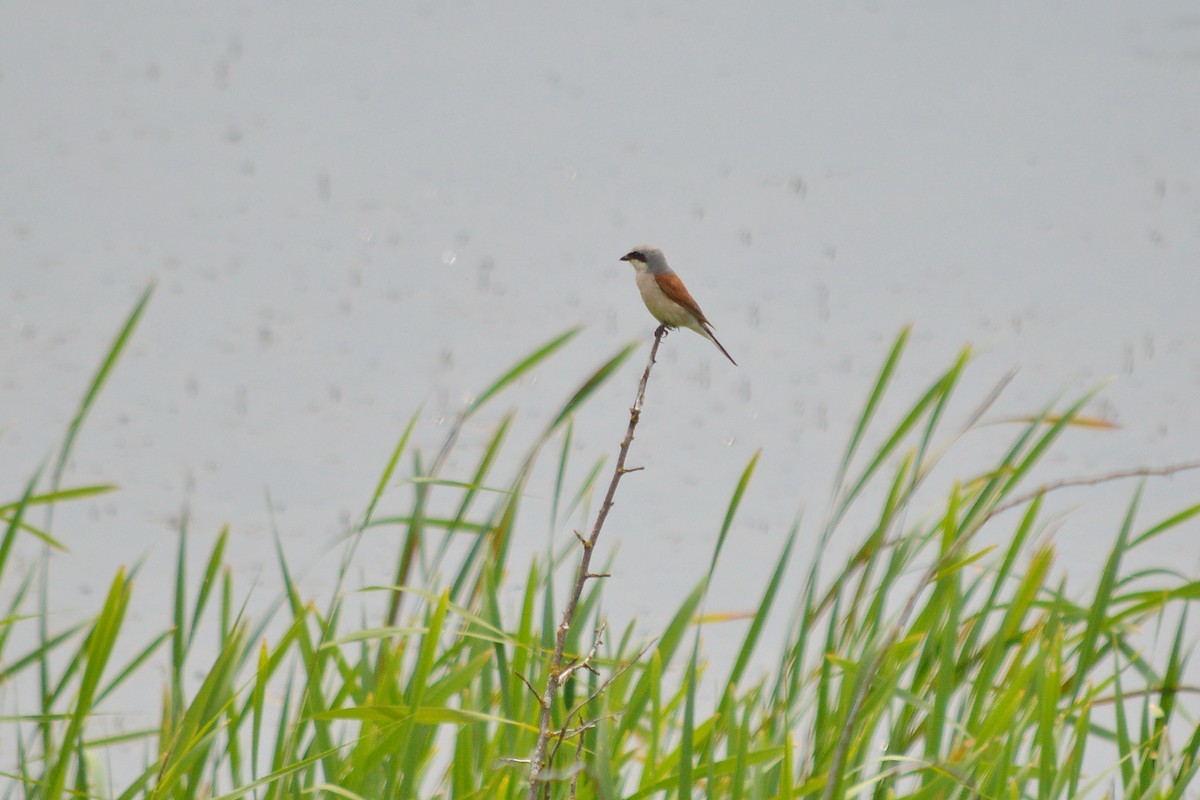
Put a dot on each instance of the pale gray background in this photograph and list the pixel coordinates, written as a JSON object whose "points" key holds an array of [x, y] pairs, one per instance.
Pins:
{"points": [[357, 210]]}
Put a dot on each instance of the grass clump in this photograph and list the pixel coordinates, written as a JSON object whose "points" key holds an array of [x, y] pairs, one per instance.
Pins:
{"points": [[927, 664]]}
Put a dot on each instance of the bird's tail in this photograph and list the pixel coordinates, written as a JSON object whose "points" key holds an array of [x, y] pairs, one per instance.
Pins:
{"points": [[708, 332]]}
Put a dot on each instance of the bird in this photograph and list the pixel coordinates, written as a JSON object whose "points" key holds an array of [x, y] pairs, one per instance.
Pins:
{"points": [[665, 295]]}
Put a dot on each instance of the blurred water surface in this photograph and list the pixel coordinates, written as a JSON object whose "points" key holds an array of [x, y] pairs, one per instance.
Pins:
{"points": [[353, 212]]}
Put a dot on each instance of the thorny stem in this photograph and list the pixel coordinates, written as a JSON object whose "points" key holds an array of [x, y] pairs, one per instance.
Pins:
{"points": [[557, 674]]}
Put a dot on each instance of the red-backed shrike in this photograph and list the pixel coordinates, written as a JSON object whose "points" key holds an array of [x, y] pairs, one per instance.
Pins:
{"points": [[666, 296]]}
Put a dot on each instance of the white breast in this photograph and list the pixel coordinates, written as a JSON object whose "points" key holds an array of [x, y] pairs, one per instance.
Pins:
{"points": [[662, 307]]}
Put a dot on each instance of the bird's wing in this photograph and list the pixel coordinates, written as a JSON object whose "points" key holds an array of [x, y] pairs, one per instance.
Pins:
{"points": [[674, 289]]}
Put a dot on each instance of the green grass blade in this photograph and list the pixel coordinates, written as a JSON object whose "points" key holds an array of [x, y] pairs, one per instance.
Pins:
{"points": [[520, 368], [97, 383], [754, 632], [1098, 613], [877, 392], [97, 650], [731, 511], [589, 387]]}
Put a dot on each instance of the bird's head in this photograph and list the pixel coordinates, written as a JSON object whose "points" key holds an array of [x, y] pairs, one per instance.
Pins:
{"points": [[646, 258]]}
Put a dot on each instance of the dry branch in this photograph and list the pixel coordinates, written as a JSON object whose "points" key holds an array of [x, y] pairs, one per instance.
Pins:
{"points": [[557, 675]]}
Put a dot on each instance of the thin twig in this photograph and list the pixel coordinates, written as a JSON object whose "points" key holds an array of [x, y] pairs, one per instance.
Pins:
{"points": [[561, 736], [578, 758], [529, 685], [618, 672], [587, 661], [1140, 472], [557, 674], [585, 724]]}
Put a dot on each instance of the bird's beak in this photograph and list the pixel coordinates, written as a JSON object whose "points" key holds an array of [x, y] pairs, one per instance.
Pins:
{"points": [[626, 258]]}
